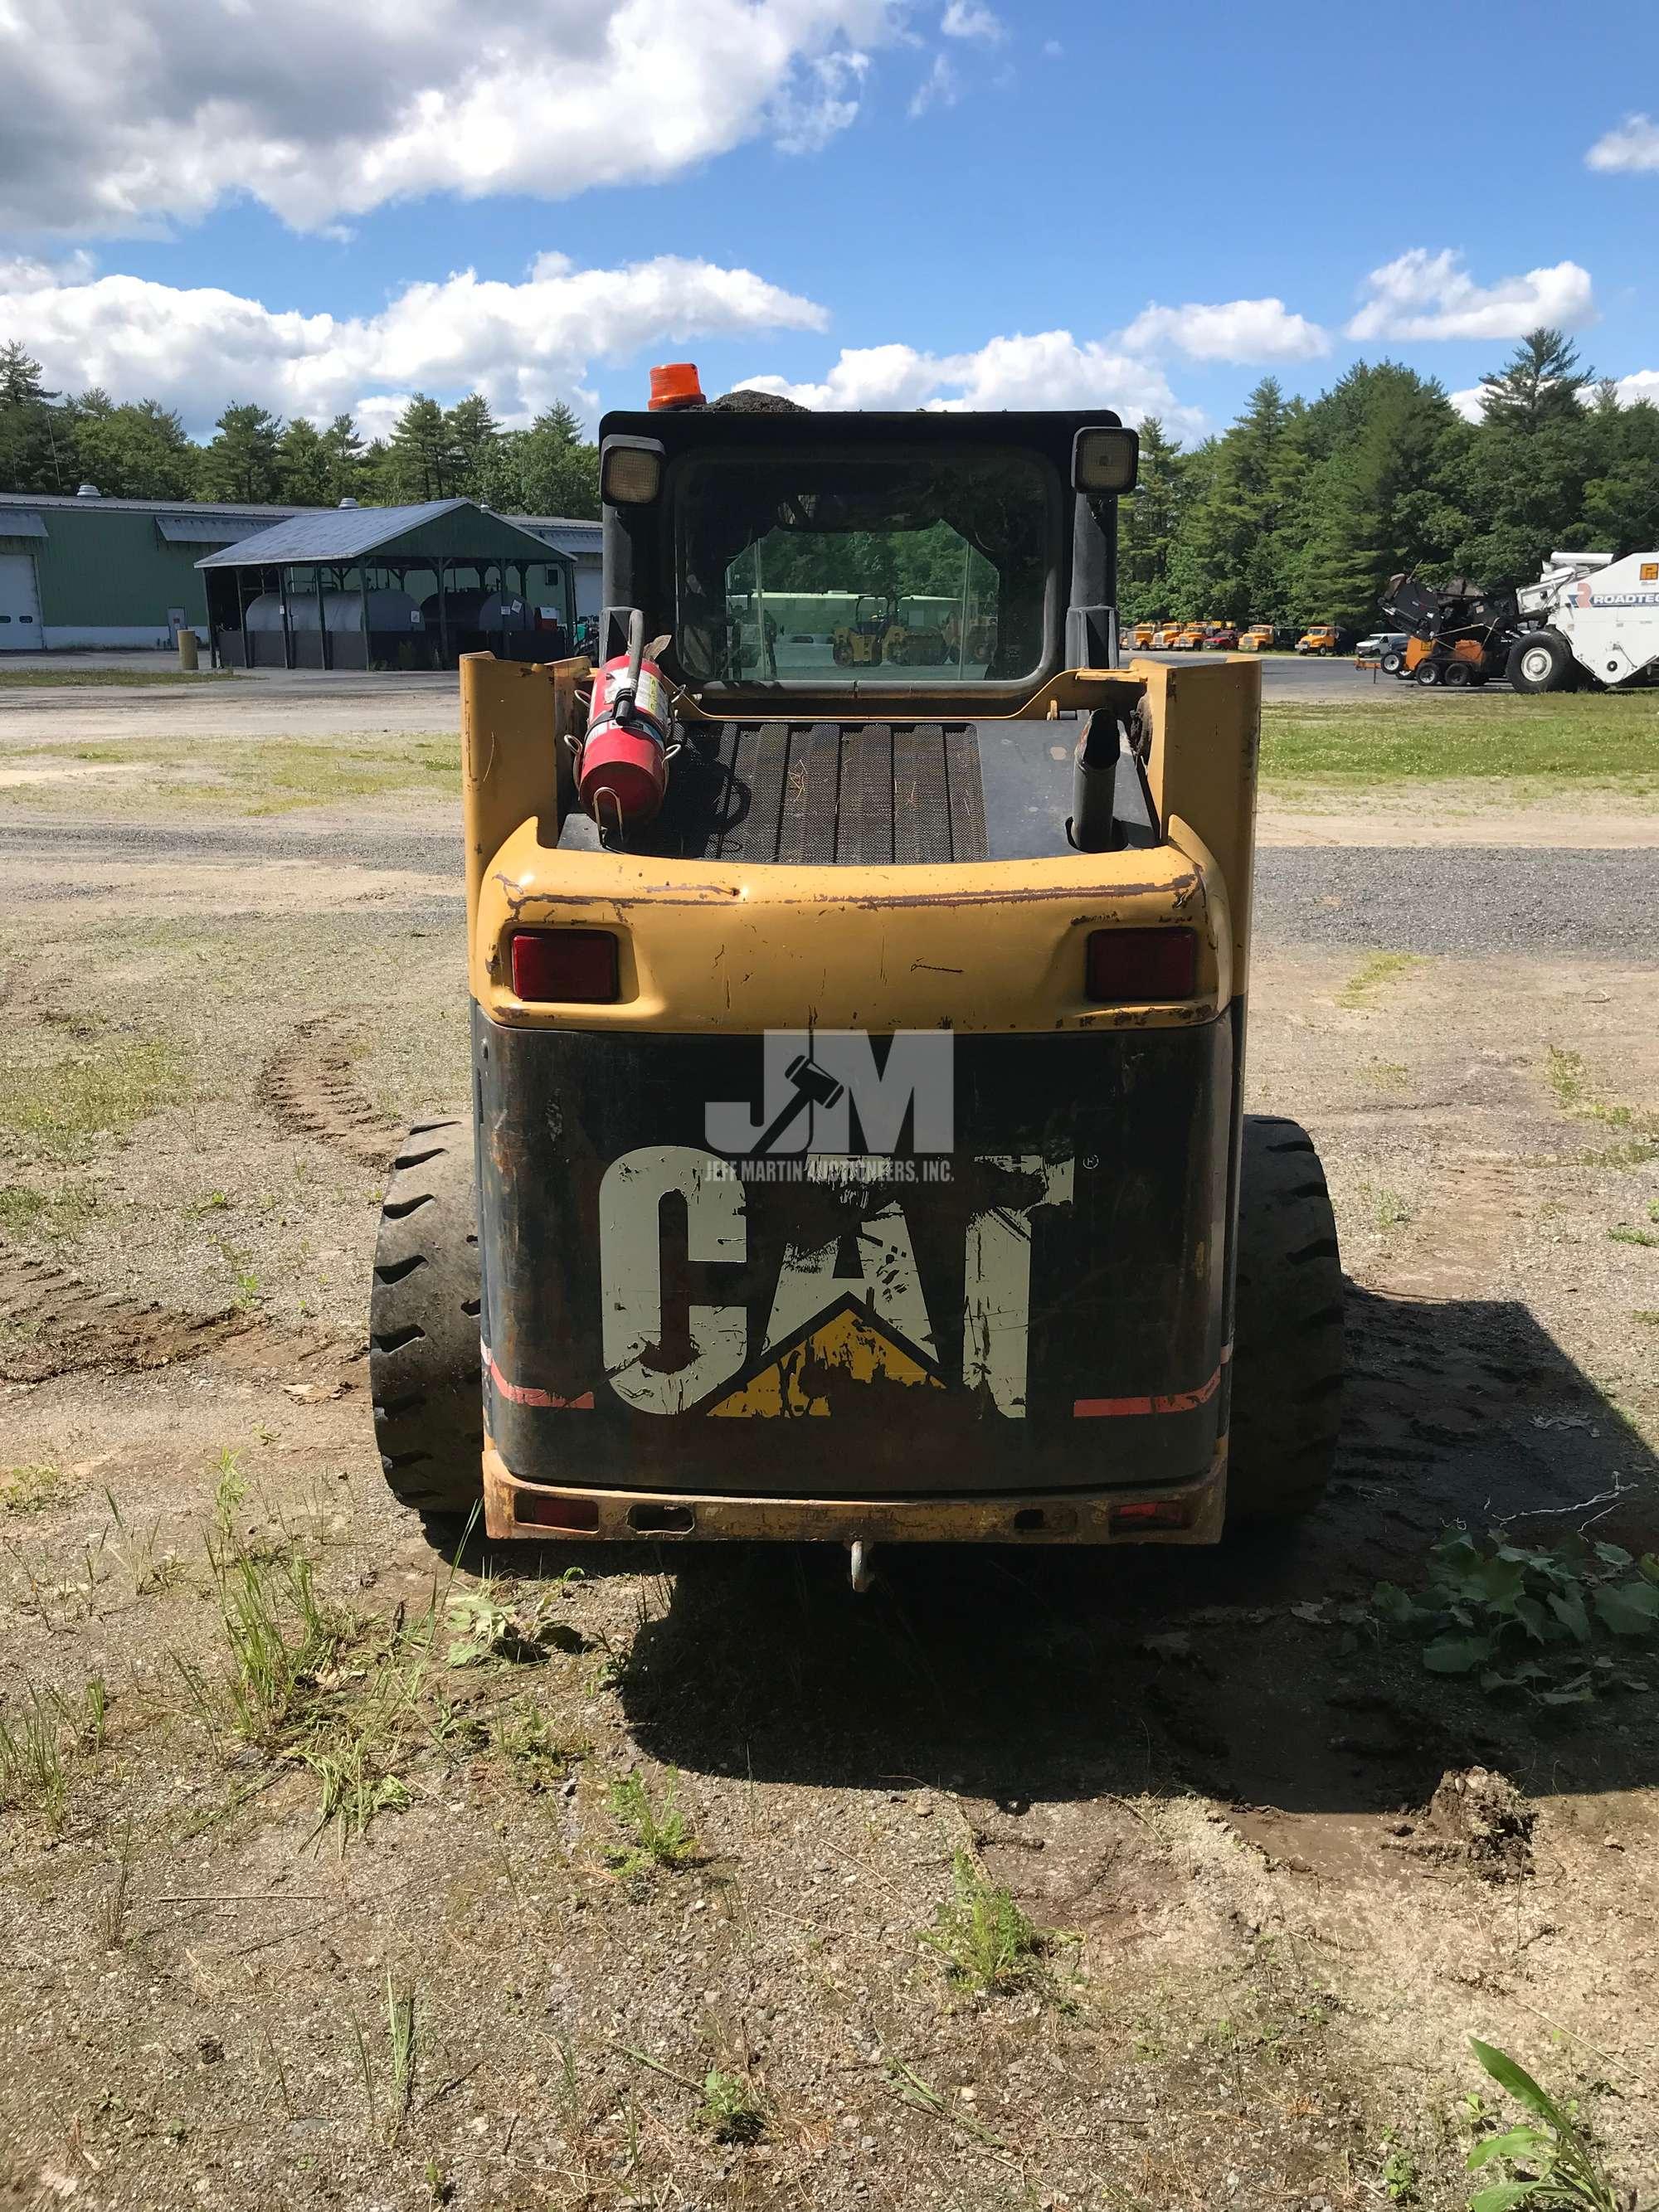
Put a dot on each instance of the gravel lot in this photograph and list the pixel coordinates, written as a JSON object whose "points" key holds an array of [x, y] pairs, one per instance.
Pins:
{"points": [[1160, 1880]]}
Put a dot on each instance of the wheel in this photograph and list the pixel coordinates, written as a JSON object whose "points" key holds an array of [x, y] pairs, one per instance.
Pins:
{"points": [[1392, 663], [1428, 673], [423, 1324], [843, 655], [1459, 676], [1541, 662], [1323, 651], [1287, 1329]]}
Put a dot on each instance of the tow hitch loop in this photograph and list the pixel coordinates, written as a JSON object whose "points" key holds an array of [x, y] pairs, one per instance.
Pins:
{"points": [[860, 1554]]}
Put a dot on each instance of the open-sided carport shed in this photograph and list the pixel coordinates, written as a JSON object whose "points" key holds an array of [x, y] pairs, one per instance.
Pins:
{"points": [[387, 587]]}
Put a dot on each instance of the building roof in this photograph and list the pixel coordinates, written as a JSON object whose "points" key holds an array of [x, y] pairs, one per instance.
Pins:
{"points": [[344, 535], [204, 508], [563, 532], [21, 522]]}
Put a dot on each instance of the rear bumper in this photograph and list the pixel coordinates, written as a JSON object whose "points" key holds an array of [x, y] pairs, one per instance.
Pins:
{"points": [[1185, 1513]]}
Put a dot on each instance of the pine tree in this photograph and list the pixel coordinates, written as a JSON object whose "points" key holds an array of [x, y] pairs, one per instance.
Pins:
{"points": [[19, 379], [350, 468], [1541, 383], [302, 466], [242, 463], [475, 436], [37, 438], [422, 459], [1379, 495], [1148, 521]]}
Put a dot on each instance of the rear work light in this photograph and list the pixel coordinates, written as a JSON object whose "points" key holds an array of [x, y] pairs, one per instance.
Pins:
{"points": [[1142, 967], [569, 966]]}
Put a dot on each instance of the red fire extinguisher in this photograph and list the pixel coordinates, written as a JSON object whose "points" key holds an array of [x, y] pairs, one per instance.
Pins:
{"points": [[623, 770]]}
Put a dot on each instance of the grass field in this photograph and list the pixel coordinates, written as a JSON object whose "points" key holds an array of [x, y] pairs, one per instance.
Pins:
{"points": [[1588, 738], [105, 679], [214, 774]]}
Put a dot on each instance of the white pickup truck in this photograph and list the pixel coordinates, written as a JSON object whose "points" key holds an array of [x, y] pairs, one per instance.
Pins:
{"points": [[1588, 617]]}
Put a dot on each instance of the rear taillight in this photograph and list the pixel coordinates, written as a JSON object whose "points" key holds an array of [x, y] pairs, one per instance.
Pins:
{"points": [[569, 966], [542, 1510], [1142, 967], [1141, 1513]]}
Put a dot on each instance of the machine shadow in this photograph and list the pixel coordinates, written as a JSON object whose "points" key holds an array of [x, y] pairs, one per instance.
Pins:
{"points": [[1017, 1676]]}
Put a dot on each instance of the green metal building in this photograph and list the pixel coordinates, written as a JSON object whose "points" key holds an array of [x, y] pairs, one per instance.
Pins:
{"points": [[87, 572]]}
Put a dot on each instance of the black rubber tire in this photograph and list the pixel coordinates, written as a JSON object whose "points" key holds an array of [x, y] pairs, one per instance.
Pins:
{"points": [[1541, 661], [1392, 663], [1287, 1361], [841, 655], [423, 1324], [1428, 673], [1459, 676]]}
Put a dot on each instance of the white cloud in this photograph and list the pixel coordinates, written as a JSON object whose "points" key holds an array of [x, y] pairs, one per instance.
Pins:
{"points": [[807, 117], [1432, 295], [1634, 145], [119, 118], [939, 88], [1640, 384], [968, 19], [1051, 368], [1468, 402], [1052, 49], [524, 345], [1234, 330]]}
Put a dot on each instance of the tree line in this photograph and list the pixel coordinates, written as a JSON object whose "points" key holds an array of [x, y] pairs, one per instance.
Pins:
{"points": [[54, 441], [1298, 512], [1302, 511]]}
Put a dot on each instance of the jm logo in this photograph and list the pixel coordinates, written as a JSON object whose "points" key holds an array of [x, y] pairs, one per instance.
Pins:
{"points": [[816, 1082]]}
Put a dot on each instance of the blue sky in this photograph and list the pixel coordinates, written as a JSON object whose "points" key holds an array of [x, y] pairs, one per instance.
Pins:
{"points": [[864, 201]]}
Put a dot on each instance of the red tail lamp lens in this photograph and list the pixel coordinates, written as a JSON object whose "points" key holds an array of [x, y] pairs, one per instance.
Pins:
{"points": [[1151, 1513], [567, 965], [1142, 967], [543, 1510]]}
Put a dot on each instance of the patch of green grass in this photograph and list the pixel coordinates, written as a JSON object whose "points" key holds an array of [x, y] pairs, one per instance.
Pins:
{"points": [[105, 679], [984, 1940], [530, 1744], [1648, 1316], [34, 1489], [1372, 973], [730, 2111], [1623, 1233], [1388, 1209], [1575, 740], [659, 1839], [257, 777], [1386, 1074], [33, 1774], [356, 1762], [58, 1215], [56, 1110]]}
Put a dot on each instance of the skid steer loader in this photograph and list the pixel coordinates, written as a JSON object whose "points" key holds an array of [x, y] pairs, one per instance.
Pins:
{"points": [[856, 1150]]}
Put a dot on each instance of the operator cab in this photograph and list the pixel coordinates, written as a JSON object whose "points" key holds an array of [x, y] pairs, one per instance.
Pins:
{"points": [[974, 560]]}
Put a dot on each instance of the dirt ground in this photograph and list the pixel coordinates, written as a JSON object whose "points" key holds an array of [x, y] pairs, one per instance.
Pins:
{"points": [[337, 1874]]}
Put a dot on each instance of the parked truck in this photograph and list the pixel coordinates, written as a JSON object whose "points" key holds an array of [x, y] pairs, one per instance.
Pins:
{"points": [[1591, 617]]}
